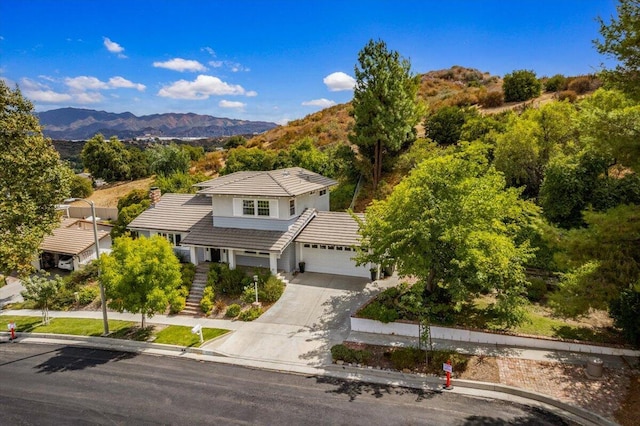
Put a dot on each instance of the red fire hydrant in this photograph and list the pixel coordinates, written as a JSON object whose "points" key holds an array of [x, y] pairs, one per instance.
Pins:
{"points": [[448, 369], [12, 329]]}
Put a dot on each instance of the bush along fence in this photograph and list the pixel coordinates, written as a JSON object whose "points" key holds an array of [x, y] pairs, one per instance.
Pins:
{"points": [[464, 335]]}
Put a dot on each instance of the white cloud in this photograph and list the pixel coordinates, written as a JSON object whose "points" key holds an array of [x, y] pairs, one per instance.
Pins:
{"points": [[83, 83], [179, 64], [47, 96], [233, 66], [88, 97], [117, 82], [322, 102], [231, 104], [216, 64], [339, 81], [209, 50], [201, 88], [251, 93], [114, 47]]}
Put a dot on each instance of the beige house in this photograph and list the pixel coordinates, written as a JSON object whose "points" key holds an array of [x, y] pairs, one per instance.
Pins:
{"points": [[273, 219], [73, 238]]}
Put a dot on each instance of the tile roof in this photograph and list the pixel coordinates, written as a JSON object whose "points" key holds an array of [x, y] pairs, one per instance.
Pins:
{"points": [[174, 212], [204, 234], [273, 183], [332, 228], [70, 239]]}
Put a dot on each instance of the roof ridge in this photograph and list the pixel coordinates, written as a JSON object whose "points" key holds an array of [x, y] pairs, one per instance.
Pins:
{"points": [[277, 182]]}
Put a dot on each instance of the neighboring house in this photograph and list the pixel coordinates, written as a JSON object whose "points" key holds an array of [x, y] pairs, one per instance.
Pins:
{"points": [[272, 219], [73, 238]]}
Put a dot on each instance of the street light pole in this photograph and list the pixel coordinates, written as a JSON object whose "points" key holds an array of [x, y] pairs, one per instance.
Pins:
{"points": [[103, 299]]}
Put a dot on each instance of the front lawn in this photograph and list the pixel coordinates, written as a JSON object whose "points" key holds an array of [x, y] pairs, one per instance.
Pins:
{"points": [[126, 330]]}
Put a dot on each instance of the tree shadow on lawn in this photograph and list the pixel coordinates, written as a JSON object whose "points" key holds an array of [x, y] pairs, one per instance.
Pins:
{"points": [[134, 332], [70, 358], [354, 389], [589, 334]]}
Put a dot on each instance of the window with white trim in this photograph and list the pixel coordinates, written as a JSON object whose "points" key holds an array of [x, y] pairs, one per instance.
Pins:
{"points": [[263, 208], [174, 239], [292, 207], [248, 207], [322, 192]]}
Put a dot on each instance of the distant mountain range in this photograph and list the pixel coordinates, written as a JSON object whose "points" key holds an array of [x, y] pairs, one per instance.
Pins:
{"points": [[83, 124]]}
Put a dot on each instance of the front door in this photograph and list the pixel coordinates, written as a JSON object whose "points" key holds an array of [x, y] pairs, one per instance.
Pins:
{"points": [[212, 254]]}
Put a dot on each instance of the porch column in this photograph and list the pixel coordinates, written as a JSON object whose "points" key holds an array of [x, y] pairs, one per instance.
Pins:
{"points": [[273, 263], [232, 259], [194, 255]]}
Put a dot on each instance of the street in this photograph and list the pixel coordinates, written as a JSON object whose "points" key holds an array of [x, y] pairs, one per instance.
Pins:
{"points": [[49, 384]]}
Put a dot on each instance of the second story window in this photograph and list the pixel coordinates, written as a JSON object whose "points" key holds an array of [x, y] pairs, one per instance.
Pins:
{"points": [[263, 208], [248, 207], [292, 207], [322, 192]]}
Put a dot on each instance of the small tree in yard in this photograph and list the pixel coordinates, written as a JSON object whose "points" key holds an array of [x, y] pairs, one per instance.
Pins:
{"points": [[42, 290], [141, 276]]}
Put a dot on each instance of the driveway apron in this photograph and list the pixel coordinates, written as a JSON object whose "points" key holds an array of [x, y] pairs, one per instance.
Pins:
{"points": [[311, 316]]}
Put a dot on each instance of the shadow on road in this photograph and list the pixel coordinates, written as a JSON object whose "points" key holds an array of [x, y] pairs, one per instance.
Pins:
{"points": [[535, 417], [355, 389], [71, 359]]}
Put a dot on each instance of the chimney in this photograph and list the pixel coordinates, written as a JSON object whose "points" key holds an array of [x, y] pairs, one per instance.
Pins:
{"points": [[154, 195]]}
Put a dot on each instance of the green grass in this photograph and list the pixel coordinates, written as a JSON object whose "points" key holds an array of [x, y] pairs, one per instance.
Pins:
{"points": [[172, 335], [75, 326], [182, 335]]}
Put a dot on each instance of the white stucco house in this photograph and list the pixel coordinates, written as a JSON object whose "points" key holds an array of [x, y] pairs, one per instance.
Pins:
{"points": [[273, 219]]}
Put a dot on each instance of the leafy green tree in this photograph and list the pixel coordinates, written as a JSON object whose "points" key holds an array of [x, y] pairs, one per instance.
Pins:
{"points": [[603, 260], [32, 181], [107, 160], [138, 163], [126, 216], [42, 290], [521, 85], [305, 154], [610, 122], [444, 126], [140, 276], [625, 311], [135, 196], [195, 152], [249, 159], [234, 142], [166, 160], [80, 187], [453, 224], [179, 183], [556, 83], [621, 38], [385, 105]]}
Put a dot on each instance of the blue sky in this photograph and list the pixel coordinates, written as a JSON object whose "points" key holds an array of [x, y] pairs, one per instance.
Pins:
{"points": [[271, 60]]}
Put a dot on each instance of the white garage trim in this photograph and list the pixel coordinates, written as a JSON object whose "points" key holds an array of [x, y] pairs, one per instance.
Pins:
{"points": [[330, 259]]}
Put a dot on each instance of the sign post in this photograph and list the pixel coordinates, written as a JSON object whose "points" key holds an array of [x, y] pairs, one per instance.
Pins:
{"points": [[197, 329], [448, 369], [12, 328]]}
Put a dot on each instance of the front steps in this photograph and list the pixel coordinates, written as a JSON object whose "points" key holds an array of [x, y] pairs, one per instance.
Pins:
{"points": [[197, 290]]}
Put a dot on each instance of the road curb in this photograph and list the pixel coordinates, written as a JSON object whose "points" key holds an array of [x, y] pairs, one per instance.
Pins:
{"points": [[415, 381]]}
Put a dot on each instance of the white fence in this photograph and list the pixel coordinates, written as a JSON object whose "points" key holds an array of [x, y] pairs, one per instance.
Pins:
{"points": [[462, 335], [104, 213]]}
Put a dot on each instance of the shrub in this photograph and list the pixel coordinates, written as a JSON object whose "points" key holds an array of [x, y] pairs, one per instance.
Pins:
{"points": [[625, 311], [177, 304], [341, 352], [220, 305], [520, 85], [206, 303], [402, 358], [272, 291], [87, 294], [231, 281], [84, 276], [250, 314], [580, 85], [233, 311], [492, 99], [568, 95], [537, 289], [188, 271], [213, 276], [379, 312], [556, 83]]}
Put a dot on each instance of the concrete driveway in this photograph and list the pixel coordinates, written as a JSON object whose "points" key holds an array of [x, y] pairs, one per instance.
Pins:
{"points": [[311, 316], [10, 293]]}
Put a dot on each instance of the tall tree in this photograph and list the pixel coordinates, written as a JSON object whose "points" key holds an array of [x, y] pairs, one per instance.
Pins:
{"points": [[32, 182], [385, 105], [140, 275], [521, 85], [621, 38], [166, 160], [108, 160], [454, 225]]}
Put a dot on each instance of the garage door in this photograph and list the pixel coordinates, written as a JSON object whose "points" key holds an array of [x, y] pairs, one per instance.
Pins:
{"points": [[332, 260]]}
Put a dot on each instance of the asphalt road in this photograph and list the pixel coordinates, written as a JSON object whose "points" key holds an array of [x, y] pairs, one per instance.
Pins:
{"points": [[56, 385]]}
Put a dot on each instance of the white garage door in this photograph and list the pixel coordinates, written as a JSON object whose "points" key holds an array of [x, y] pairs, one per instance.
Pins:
{"points": [[332, 260]]}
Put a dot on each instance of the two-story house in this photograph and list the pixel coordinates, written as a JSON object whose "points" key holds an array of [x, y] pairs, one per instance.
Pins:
{"points": [[273, 219]]}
